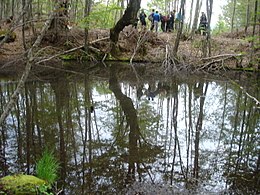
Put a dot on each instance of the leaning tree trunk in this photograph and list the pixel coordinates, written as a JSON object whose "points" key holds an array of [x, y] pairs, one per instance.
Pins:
{"points": [[128, 18]]}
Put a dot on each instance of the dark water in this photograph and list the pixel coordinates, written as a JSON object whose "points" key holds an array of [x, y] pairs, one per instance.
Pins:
{"points": [[115, 133]]}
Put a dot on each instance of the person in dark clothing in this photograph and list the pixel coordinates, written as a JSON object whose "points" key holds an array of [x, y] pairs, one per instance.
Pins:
{"points": [[170, 22], [203, 23], [151, 19], [135, 23], [142, 17], [163, 22]]}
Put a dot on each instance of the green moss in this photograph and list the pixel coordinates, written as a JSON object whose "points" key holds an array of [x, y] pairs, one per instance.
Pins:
{"points": [[11, 38], [68, 57], [21, 184]]}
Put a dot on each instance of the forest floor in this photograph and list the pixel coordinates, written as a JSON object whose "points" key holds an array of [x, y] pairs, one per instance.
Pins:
{"points": [[136, 44]]}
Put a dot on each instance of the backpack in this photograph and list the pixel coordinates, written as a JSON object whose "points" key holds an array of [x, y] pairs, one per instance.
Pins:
{"points": [[150, 17], [164, 19]]}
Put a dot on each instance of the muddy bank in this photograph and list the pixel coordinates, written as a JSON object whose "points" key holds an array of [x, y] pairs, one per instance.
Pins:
{"points": [[134, 44]]}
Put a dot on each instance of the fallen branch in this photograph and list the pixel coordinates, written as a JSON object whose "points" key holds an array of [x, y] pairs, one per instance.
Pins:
{"points": [[222, 56], [211, 62], [59, 54]]}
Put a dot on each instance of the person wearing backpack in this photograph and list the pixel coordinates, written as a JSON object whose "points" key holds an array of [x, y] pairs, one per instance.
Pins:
{"points": [[164, 20], [151, 20], [142, 17], [203, 23], [170, 23], [156, 20]]}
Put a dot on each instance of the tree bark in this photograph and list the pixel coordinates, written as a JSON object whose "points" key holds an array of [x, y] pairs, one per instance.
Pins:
{"points": [[247, 15], [254, 37], [196, 17], [233, 15], [86, 14], [128, 18], [177, 41]]}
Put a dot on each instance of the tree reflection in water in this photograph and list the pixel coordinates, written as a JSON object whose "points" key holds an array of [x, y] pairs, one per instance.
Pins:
{"points": [[198, 134]]}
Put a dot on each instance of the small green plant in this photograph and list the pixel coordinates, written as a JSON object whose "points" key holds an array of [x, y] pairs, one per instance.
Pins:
{"points": [[43, 189], [47, 167]]}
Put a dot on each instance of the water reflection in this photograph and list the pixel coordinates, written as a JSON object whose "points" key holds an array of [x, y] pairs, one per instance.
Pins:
{"points": [[195, 134]]}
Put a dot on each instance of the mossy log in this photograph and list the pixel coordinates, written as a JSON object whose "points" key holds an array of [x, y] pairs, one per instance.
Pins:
{"points": [[20, 184]]}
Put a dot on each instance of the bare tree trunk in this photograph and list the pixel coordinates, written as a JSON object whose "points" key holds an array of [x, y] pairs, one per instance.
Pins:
{"points": [[198, 131], [253, 40], [191, 9], [86, 14], [28, 127], [247, 15], [240, 141], [196, 17], [1, 9], [23, 27], [177, 41], [209, 5], [13, 7], [234, 133], [233, 15]]}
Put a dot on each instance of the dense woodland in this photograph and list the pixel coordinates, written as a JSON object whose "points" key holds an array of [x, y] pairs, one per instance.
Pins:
{"points": [[30, 15], [38, 35]]}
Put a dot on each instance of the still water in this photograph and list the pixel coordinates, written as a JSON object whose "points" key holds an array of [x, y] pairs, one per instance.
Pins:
{"points": [[123, 132]]}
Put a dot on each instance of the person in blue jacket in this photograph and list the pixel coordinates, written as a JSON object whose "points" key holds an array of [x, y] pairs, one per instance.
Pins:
{"points": [[156, 20]]}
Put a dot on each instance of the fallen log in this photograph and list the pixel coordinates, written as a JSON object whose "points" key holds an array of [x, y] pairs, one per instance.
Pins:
{"points": [[216, 63]]}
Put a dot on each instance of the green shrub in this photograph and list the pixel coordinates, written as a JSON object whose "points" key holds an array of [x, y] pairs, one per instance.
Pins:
{"points": [[47, 167]]}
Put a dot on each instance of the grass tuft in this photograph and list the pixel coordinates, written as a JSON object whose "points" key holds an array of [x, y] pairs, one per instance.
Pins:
{"points": [[47, 167]]}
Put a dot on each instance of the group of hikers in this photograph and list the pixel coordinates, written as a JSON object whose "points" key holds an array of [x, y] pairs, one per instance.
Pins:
{"points": [[168, 22]]}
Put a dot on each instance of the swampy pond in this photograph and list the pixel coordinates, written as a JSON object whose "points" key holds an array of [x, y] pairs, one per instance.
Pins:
{"points": [[117, 131]]}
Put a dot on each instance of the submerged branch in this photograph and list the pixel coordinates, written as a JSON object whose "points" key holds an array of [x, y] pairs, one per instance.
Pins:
{"points": [[247, 94]]}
